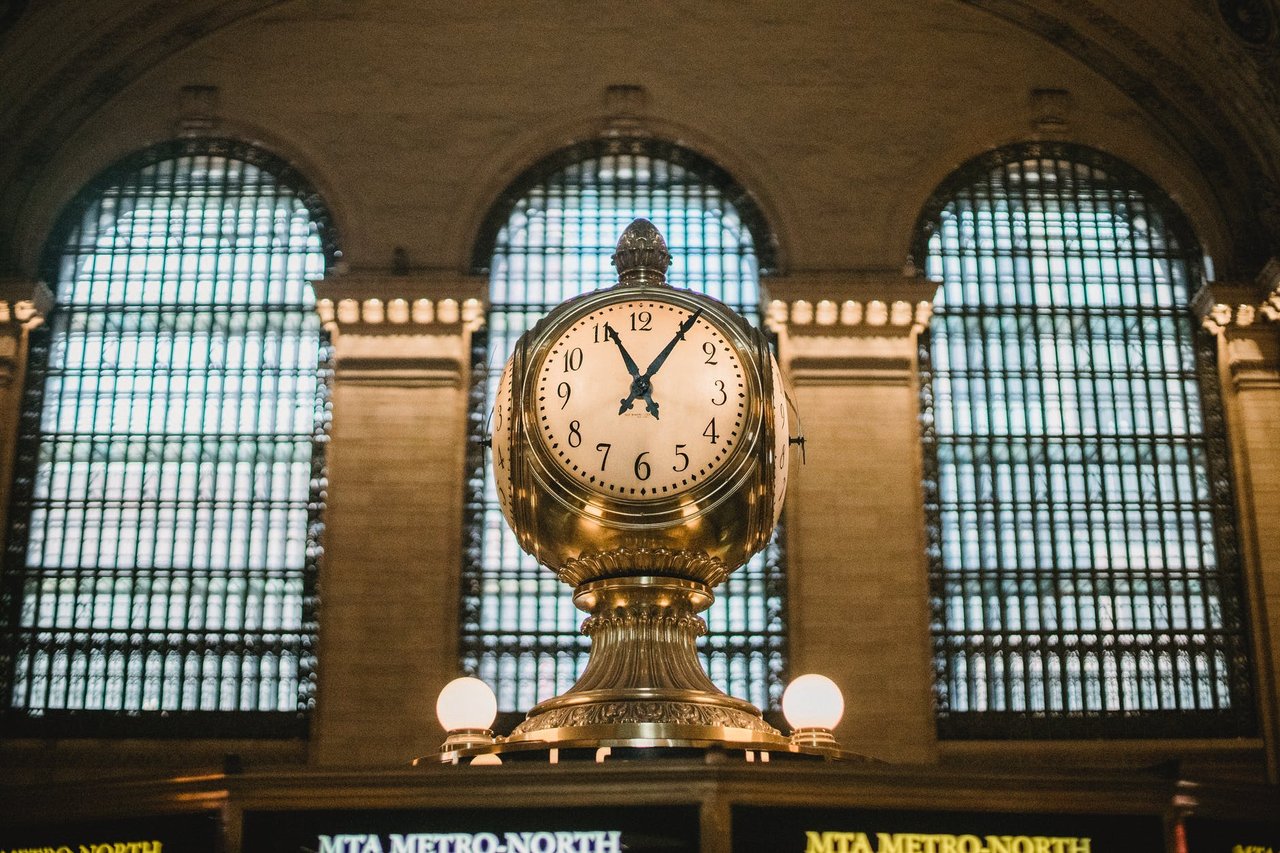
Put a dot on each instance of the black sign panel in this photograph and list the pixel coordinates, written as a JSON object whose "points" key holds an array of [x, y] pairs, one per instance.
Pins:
{"points": [[829, 830], [1206, 835], [499, 830], [188, 833]]}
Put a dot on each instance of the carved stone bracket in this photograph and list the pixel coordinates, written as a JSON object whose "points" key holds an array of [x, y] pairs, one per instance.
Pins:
{"points": [[24, 304], [401, 330], [1225, 305], [1248, 327], [849, 328], [855, 305]]}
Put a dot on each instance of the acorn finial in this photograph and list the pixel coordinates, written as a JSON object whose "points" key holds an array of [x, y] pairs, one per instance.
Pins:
{"points": [[642, 256]]}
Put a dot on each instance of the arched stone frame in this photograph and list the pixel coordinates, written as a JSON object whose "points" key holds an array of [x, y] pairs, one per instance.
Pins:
{"points": [[290, 239], [1158, 699]]}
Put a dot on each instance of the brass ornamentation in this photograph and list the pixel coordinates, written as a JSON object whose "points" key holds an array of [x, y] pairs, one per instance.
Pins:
{"points": [[643, 569], [630, 561]]}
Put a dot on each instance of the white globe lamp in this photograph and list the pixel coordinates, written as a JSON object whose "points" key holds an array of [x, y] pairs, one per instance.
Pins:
{"points": [[813, 706], [466, 709]]}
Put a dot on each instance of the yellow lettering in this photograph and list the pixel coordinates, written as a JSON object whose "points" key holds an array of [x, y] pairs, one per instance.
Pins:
{"points": [[886, 843], [999, 844], [861, 844], [819, 842]]}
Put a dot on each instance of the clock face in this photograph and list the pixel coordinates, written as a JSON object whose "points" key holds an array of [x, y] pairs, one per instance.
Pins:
{"points": [[641, 399]]}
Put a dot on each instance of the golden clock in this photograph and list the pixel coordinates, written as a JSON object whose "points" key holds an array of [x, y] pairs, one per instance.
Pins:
{"points": [[640, 449]]}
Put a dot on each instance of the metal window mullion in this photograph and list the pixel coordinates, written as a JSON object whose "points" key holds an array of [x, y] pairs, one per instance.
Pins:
{"points": [[146, 438], [1078, 378], [1119, 381], [245, 191], [1155, 388], [990, 317], [984, 580]]}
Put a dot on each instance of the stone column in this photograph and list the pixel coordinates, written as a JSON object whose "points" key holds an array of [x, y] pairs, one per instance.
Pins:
{"points": [[389, 580], [1248, 333], [858, 607], [23, 306]]}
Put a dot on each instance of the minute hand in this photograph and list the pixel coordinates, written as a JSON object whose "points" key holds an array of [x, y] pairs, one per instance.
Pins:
{"points": [[666, 351]]}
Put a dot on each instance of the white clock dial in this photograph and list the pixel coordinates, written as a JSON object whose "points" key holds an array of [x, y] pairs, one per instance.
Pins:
{"points": [[641, 399]]}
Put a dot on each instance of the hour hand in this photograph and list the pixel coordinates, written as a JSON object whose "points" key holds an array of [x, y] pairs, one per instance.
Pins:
{"points": [[626, 356]]}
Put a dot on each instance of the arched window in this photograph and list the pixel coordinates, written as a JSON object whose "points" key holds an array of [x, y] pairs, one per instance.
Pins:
{"points": [[548, 238], [1085, 576], [160, 565]]}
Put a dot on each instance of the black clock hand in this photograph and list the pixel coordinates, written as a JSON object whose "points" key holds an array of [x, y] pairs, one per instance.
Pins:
{"points": [[666, 351], [626, 356], [639, 385]]}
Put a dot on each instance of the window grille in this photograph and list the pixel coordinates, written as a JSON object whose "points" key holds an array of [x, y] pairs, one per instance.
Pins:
{"points": [[549, 238], [164, 525], [1084, 567]]}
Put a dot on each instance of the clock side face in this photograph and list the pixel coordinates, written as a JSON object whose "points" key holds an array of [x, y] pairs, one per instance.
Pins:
{"points": [[781, 440], [641, 400], [500, 425]]}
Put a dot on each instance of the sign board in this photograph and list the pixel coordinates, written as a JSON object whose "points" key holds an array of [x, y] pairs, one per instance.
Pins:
{"points": [[1209, 835], [835, 830], [187, 833], [552, 829]]}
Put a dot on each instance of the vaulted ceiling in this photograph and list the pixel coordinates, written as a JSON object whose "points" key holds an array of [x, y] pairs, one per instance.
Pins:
{"points": [[1203, 74]]}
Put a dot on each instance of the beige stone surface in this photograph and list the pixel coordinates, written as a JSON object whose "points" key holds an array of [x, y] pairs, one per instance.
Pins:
{"points": [[858, 604]]}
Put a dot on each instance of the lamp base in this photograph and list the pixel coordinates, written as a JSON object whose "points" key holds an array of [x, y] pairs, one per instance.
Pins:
{"points": [[643, 677], [621, 744]]}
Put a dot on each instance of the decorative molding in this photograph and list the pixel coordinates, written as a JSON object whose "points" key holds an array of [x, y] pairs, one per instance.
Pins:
{"points": [[1209, 127], [24, 303], [624, 713], [402, 331], [373, 305], [625, 105], [854, 305], [1232, 306], [661, 562], [197, 110], [23, 306], [1050, 110]]}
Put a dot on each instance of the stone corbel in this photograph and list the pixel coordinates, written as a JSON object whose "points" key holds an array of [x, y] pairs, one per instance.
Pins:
{"points": [[401, 330], [1248, 327], [24, 304], [854, 325]]}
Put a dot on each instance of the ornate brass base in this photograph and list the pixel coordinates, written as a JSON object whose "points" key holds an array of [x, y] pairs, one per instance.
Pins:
{"points": [[643, 681]]}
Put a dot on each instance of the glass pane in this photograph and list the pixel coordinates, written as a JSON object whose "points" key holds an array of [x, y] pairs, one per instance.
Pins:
{"points": [[520, 628], [171, 515], [1077, 541]]}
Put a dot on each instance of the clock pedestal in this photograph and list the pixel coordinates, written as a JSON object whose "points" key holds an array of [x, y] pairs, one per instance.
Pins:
{"points": [[644, 681]]}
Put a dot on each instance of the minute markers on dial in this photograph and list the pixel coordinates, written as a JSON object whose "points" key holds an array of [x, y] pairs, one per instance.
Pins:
{"points": [[634, 455]]}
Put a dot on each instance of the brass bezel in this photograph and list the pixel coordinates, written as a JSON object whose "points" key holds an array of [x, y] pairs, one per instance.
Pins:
{"points": [[546, 477]]}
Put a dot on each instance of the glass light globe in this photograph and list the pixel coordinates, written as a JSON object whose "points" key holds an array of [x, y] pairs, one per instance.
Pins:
{"points": [[466, 703], [813, 702]]}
